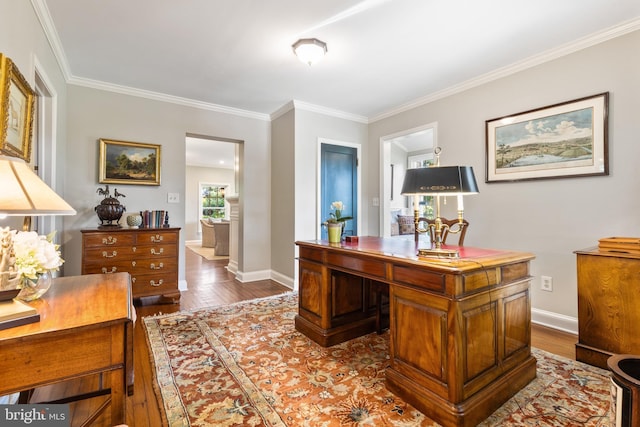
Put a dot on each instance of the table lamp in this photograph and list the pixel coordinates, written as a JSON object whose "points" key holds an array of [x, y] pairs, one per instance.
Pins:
{"points": [[439, 181], [23, 193]]}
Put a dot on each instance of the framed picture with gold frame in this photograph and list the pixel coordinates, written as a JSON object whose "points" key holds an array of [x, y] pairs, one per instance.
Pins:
{"points": [[124, 162], [17, 106]]}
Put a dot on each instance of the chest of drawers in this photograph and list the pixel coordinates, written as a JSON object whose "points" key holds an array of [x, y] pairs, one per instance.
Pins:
{"points": [[149, 255]]}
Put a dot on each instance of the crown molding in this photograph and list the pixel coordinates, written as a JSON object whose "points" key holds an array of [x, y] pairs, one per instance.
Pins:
{"points": [[283, 110], [300, 105], [555, 53], [42, 12], [157, 96], [46, 22]]}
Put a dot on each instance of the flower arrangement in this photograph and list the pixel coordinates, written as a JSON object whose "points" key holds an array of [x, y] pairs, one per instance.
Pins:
{"points": [[336, 214], [35, 254]]}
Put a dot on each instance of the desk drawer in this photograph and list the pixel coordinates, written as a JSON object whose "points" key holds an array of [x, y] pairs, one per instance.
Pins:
{"points": [[420, 278], [360, 265]]}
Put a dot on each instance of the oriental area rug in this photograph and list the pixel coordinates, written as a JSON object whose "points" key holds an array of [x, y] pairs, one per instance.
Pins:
{"points": [[246, 365]]}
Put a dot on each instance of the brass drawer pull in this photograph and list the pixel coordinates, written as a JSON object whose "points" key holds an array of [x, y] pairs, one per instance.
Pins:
{"points": [[109, 240], [153, 251], [159, 267], [133, 263], [157, 238], [133, 280], [153, 283], [105, 254], [106, 271]]}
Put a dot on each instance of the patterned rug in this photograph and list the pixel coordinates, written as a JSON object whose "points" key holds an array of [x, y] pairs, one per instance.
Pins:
{"points": [[246, 365]]}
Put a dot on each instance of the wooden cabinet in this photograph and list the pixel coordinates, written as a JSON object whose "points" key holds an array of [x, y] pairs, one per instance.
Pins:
{"points": [[150, 255], [608, 305]]}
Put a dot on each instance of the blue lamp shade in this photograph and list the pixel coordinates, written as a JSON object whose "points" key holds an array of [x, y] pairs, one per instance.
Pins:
{"points": [[444, 180]]}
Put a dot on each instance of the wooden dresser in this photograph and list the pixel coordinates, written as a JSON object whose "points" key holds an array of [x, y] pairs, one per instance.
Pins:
{"points": [[150, 255], [608, 301]]}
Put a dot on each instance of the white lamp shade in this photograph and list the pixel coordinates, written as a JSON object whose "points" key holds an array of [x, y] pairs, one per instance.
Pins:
{"points": [[22, 192], [310, 51]]}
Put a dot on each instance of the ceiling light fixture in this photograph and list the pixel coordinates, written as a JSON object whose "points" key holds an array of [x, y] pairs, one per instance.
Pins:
{"points": [[309, 51]]}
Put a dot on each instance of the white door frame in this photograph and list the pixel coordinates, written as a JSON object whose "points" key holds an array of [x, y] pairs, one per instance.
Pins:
{"points": [[385, 173], [358, 148]]}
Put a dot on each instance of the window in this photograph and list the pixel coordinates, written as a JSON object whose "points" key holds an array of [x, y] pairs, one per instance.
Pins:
{"points": [[212, 203]]}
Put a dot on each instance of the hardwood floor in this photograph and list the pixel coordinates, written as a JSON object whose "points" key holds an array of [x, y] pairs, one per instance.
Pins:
{"points": [[209, 284]]}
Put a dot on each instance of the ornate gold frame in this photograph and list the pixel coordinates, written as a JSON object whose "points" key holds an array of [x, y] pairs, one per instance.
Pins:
{"points": [[130, 173], [17, 106]]}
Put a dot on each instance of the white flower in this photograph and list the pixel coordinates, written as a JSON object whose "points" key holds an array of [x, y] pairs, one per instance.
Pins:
{"points": [[35, 254], [337, 205]]}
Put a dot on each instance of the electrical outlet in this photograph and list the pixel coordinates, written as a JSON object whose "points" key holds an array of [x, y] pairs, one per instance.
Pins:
{"points": [[546, 283], [173, 197]]}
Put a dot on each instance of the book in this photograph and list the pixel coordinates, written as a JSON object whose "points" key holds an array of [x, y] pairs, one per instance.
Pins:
{"points": [[14, 310]]}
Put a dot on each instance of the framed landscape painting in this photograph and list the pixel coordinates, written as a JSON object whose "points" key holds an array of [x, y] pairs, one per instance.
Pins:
{"points": [[561, 140], [17, 104], [123, 162]]}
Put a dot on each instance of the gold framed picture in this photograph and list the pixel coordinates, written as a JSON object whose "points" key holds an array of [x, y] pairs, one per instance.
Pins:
{"points": [[123, 162], [17, 106]]}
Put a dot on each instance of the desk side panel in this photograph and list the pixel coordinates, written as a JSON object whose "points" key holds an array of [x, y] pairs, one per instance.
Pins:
{"points": [[56, 357]]}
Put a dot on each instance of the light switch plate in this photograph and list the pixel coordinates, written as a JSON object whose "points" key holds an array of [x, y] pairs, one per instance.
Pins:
{"points": [[173, 197]]}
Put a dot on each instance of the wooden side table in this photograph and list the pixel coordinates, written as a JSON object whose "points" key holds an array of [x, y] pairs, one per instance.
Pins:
{"points": [[85, 328]]}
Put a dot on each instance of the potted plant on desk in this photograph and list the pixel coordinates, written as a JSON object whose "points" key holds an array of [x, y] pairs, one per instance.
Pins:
{"points": [[335, 223]]}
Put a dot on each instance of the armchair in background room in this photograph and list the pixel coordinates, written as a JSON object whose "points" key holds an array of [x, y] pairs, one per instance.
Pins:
{"points": [[215, 234]]}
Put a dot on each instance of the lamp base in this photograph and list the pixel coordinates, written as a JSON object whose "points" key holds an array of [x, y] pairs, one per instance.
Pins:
{"points": [[438, 253]]}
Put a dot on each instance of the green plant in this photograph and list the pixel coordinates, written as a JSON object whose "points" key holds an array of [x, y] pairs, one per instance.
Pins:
{"points": [[336, 215]]}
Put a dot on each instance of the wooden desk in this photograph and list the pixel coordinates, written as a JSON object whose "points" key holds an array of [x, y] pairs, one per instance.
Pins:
{"points": [[85, 328], [460, 329]]}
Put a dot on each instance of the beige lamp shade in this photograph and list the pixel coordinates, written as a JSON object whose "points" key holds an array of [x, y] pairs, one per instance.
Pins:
{"points": [[22, 192]]}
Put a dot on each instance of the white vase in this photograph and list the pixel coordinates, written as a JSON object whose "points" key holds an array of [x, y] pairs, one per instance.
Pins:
{"points": [[134, 221]]}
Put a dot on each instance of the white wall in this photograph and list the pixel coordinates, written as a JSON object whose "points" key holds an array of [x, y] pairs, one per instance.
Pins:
{"points": [[197, 175], [283, 197], [550, 218], [295, 139], [23, 41], [94, 114]]}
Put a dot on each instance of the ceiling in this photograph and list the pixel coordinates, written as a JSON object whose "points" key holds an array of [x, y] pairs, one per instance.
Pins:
{"points": [[209, 153], [383, 55]]}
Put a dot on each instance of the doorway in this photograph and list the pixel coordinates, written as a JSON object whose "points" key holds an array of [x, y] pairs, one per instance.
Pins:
{"points": [[210, 163], [398, 152], [339, 180]]}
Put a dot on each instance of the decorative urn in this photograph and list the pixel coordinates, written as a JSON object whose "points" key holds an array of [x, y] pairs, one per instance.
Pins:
{"points": [[109, 210]]}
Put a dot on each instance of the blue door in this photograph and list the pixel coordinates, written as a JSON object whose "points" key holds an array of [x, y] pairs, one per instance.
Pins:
{"points": [[339, 182]]}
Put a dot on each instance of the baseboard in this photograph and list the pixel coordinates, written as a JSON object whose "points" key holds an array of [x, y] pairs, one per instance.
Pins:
{"points": [[182, 285], [232, 267], [282, 279], [253, 276], [554, 320]]}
